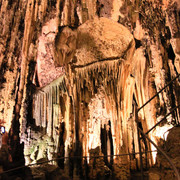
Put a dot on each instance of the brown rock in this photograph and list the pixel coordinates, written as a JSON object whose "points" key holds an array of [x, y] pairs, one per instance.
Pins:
{"points": [[97, 39], [102, 38]]}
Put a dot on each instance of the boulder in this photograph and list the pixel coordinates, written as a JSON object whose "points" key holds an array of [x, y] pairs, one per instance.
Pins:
{"points": [[93, 41], [102, 38]]}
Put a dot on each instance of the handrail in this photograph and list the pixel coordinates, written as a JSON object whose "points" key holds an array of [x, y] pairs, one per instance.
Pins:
{"points": [[141, 160], [165, 155], [75, 157], [158, 92], [162, 119], [145, 134]]}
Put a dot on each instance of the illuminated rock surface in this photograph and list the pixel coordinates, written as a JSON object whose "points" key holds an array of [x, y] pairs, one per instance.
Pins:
{"points": [[111, 55]]}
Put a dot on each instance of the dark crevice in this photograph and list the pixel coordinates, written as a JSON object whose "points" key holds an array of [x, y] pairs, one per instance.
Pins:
{"points": [[144, 142], [3, 70], [52, 3], [137, 43], [107, 144], [50, 8], [31, 88], [171, 54], [21, 25], [100, 60], [172, 100], [76, 23], [61, 6], [16, 148], [147, 56], [99, 7], [61, 145], [10, 3]]}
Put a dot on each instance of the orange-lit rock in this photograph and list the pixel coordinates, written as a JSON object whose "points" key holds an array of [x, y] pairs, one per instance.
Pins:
{"points": [[93, 41], [102, 39], [90, 110], [46, 70]]}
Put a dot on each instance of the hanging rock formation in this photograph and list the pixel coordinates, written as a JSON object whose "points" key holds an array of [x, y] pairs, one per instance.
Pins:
{"points": [[72, 73], [93, 41]]}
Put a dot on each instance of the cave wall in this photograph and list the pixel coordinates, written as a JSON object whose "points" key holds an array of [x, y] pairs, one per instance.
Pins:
{"points": [[31, 50]]}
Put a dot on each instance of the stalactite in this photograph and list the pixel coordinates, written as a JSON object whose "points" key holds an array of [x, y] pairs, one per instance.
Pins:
{"points": [[116, 83], [44, 119], [88, 88], [46, 104], [50, 108], [49, 112]]}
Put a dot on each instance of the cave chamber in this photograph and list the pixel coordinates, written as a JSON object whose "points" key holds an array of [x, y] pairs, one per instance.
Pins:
{"points": [[89, 111], [75, 73]]}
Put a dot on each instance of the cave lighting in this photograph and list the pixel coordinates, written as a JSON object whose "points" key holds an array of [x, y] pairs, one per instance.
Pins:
{"points": [[2, 130]]}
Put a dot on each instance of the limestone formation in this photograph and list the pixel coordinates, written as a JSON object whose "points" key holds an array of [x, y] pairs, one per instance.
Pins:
{"points": [[74, 73], [65, 46], [93, 41], [100, 39]]}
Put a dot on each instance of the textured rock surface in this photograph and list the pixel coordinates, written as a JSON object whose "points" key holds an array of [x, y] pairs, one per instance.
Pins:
{"points": [[46, 70], [65, 46], [102, 39], [95, 40], [171, 147], [29, 32]]}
